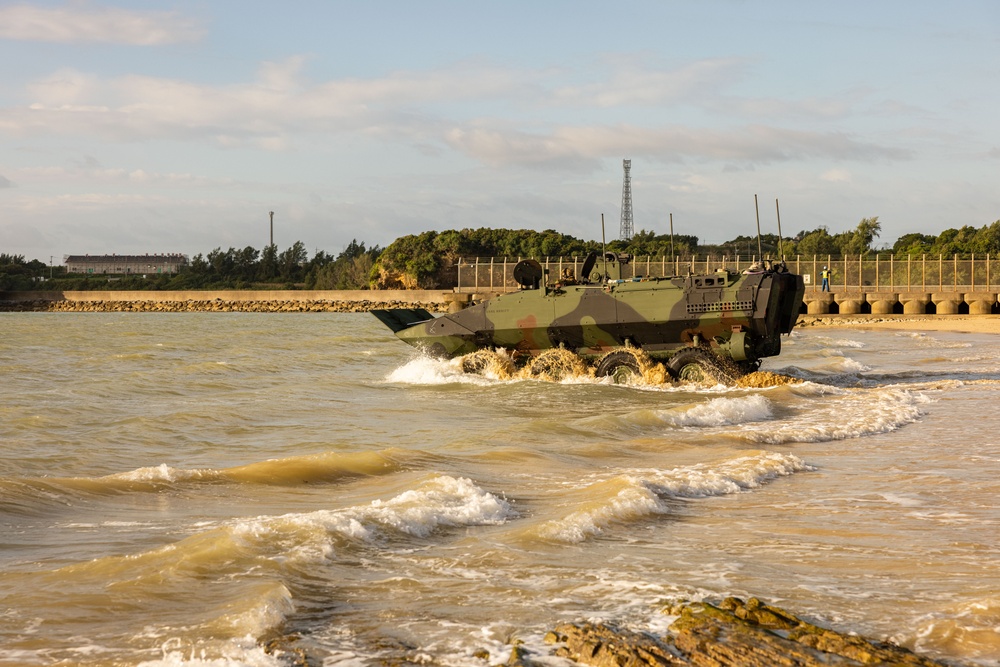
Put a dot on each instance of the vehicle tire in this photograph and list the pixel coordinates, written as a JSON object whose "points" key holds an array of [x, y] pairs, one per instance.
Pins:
{"points": [[621, 366], [486, 362], [694, 364], [557, 364]]}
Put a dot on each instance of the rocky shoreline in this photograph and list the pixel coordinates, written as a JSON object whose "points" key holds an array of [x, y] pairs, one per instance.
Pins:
{"points": [[212, 305], [732, 633]]}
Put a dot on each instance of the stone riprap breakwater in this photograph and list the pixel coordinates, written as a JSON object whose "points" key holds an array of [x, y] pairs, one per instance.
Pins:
{"points": [[213, 305]]}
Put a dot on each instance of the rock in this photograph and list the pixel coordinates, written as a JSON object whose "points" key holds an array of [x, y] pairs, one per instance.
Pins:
{"points": [[747, 634], [607, 646], [214, 305]]}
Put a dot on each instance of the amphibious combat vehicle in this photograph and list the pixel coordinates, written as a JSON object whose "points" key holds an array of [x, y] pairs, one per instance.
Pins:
{"points": [[711, 326]]}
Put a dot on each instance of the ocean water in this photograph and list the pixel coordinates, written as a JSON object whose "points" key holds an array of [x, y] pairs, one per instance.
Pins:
{"points": [[184, 488]]}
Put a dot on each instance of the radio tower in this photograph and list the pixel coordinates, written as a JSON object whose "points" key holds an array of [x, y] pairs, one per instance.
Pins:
{"points": [[627, 231]]}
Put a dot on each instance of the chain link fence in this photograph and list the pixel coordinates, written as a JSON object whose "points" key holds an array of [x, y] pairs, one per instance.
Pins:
{"points": [[865, 273]]}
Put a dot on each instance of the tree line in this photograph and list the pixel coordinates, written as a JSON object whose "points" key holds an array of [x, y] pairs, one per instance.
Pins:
{"points": [[427, 260], [246, 268]]}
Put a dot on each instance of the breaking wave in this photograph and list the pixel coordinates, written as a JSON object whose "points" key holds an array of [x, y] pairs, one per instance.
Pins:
{"points": [[30, 495], [640, 494], [721, 412], [838, 414]]}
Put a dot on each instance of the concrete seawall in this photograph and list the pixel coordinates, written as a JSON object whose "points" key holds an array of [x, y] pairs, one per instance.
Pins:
{"points": [[901, 303]]}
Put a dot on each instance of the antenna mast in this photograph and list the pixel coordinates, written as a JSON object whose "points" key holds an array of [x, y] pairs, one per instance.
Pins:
{"points": [[781, 253], [627, 230], [760, 253]]}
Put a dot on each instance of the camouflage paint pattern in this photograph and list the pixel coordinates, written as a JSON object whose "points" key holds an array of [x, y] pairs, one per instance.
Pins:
{"points": [[739, 316]]}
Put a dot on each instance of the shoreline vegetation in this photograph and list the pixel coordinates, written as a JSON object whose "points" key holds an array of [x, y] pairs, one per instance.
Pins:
{"points": [[434, 260]]}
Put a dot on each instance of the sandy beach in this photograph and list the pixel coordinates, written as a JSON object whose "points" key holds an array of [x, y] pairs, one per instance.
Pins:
{"points": [[953, 323]]}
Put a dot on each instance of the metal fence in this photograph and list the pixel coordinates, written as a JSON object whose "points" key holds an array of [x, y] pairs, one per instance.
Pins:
{"points": [[872, 273]]}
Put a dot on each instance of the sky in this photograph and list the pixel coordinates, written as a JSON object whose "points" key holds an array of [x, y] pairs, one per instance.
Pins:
{"points": [[134, 127]]}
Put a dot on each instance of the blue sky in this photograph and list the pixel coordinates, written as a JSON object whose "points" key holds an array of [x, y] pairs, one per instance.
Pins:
{"points": [[134, 127]]}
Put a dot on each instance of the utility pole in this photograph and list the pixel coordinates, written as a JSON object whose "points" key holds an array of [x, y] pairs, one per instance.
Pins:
{"points": [[271, 213]]}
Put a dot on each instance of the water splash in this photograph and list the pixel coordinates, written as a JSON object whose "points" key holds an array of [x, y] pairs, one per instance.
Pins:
{"points": [[561, 365]]}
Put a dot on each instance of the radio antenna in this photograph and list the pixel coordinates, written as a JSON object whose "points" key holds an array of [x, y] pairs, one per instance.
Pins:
{"points": [[780, 241], [672, 255], [604, 249], [760, 252]]}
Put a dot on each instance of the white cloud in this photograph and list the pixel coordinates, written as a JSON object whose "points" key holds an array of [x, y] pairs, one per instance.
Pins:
{"points": [[264, 111], [84, 23], [753, 144], [92, 175], [633, 82], [836, 176], [281, 109], [5, 183]]}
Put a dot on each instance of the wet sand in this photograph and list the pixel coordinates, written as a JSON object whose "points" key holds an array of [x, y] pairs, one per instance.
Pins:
{"points": [[952, 323]]}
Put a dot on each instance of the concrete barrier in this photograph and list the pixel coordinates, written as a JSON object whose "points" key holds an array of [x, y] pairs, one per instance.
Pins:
{"points": [[818, 303], [850, 304], [946, 303], [915, 303], [980, 303], [882, 303]]}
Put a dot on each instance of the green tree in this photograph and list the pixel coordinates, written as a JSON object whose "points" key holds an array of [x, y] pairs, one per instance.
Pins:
{"points": [[267, 268], [913, 244], [955, 241], [291, 262], [245, 263], [987, 240], [817, 243], [859, 242]]}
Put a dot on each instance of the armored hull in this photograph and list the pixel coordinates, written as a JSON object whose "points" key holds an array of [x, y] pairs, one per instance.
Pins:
{"points": [[734, 316]]}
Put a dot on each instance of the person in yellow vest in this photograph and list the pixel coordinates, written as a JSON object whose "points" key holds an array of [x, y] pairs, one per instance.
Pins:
{"points": [[826, 279]]}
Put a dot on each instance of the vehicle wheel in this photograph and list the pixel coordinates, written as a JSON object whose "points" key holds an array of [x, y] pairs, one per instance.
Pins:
{"points": [[696, 365], [621, 366], [488, 362], [557, 364]]}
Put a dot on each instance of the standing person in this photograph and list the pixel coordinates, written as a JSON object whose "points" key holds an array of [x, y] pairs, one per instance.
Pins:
{"points": [[826, 279]]}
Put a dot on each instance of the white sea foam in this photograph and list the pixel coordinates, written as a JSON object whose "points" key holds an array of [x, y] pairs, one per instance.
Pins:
{"points": [[842, 414], [834, 361], [839, 342], [848, 365], [272, 605], [427, 371], [721, 412], [438, 503], [160, 473], [638, 494], [245, 652]]}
